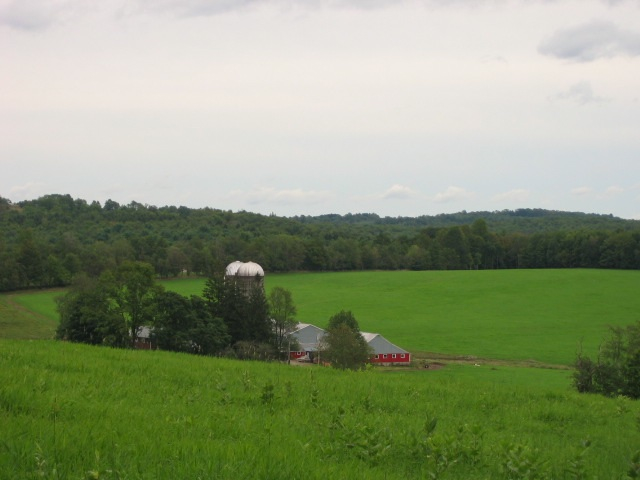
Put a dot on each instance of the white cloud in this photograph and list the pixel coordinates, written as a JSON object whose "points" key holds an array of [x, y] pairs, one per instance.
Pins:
{"points": [[453, 194], [581, 191], [581, 93], [590, 41], [281, 197], [27, 191], [516, 195], [399, 192], [613, 191]]}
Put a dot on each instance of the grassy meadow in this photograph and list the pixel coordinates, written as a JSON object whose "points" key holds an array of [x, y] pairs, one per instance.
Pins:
{"points": [[28, 315], [79, 412], [538, 316]]}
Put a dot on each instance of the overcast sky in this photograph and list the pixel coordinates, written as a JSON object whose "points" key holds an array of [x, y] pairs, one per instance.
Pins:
{"points": [[305, 107]]}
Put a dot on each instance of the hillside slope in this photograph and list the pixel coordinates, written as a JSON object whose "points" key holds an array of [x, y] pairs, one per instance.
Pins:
{"points": [[73, 411]]}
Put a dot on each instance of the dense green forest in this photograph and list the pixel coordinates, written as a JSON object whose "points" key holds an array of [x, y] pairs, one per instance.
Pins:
{"points": [[47, 241]]}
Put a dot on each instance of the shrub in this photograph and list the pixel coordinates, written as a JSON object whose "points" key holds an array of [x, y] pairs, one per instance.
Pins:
{"points": [[617, 369]]}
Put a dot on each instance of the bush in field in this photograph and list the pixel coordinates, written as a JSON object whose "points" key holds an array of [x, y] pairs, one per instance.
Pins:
{"points": [[617, 368]]}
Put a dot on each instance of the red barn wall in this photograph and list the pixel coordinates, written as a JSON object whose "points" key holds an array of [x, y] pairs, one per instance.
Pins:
{"points": [[402, 358]]}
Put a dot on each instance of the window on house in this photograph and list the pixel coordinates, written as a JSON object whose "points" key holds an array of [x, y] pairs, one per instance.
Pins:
{"points": [[384, 356], [393, 355]]}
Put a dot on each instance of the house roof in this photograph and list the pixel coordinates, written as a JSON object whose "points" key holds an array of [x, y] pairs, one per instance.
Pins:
{"points": [[144, 332]]}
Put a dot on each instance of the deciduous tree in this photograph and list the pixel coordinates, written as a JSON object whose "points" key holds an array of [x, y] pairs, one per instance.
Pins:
{"points": [[184, 324], [344, 346], [132, 287], [283, 315], [87, 316]]}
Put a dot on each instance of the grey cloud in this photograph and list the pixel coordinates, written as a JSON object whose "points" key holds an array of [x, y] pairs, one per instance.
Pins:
{"points": [[196, 8], [581, 93], [593, 40], [39, 14], [27, 15]]}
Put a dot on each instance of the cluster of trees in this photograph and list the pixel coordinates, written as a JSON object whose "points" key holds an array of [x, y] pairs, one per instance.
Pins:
{"points": [[50, 241], [616, 370], [343, 346], [228, 319], [114, 308]]}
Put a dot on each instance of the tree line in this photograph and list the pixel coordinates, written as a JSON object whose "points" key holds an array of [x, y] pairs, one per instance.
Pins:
{"points": [[50, 241]]}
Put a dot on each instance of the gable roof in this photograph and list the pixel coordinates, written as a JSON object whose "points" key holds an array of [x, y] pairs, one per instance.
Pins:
{"points": [[308, 337], [381, 344]]}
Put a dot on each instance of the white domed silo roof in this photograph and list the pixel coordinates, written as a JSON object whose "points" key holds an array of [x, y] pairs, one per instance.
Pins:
{"points": [[232, 268], [250, 269]]}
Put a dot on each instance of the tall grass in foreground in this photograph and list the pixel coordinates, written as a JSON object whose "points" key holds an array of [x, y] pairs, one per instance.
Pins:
{"points": [[71, 411]]}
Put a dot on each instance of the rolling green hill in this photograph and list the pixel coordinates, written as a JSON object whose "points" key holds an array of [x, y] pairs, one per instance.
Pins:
{"points": [[79, 412], [74, 411], [523, 315]]}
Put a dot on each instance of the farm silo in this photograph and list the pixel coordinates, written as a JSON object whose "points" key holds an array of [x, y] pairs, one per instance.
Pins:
{"points": [[249, 275]]}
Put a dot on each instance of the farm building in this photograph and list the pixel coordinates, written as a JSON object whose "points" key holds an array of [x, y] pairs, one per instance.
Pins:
{"points": [[143, 339], [309, 336], [385, 352], [248, 275]]}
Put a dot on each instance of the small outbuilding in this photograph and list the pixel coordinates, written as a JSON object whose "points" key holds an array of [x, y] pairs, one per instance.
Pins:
{"points": [[143, 339]]}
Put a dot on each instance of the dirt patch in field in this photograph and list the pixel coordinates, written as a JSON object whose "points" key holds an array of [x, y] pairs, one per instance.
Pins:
{"points": [[434, 366]]}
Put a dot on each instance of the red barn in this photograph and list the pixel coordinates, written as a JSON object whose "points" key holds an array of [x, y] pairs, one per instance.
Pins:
{"points": [[308, 337], [385, 352]]}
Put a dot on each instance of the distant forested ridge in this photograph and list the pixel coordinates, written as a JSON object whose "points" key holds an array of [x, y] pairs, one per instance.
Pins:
{"points": [[47, 241]]}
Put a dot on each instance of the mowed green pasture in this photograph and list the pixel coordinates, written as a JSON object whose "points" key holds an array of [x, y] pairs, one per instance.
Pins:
{"points": [[79, 412], [28, 316], [540, 315], [523, 315]]}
